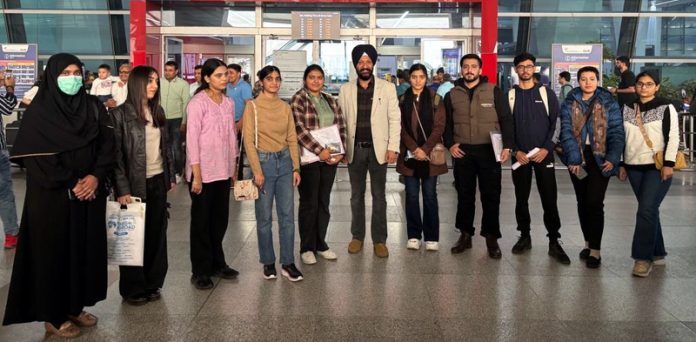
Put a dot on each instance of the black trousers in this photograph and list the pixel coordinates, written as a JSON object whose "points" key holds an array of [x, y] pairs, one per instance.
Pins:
{"points": [[137, 280], [545, 175], [590, 193], [478, 163], [209, 215], [313, 214]]}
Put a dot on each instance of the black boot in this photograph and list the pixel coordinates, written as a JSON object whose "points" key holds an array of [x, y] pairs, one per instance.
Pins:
{"points": [[523, 244], [557, 252], [462, 244], [493, 248]]}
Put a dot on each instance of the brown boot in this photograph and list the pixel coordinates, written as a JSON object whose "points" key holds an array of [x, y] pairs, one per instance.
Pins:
{"points": [[355, 246], [462, 244], [381, 250]]}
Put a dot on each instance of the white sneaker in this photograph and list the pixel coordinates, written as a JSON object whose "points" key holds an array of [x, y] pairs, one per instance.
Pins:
{"points": [[432, 246], [308, 258], [659, 261], [178, 179], [327, 254], [413, 244]]}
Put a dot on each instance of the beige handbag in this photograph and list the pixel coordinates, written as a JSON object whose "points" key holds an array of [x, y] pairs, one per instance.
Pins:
{"points": [[437, 154], [680, 160], [246, 189]]}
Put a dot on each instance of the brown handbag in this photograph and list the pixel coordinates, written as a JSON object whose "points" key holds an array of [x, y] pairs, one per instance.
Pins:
{"points": [[437, 153], [658, 157]]}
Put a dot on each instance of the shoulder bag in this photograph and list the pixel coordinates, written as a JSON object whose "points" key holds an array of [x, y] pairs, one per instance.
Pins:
{"points": [[658, 157]]}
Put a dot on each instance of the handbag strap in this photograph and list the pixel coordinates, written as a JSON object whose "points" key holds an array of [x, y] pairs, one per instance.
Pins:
{"points": [[643, 131], [256, 138], [425, 136]]}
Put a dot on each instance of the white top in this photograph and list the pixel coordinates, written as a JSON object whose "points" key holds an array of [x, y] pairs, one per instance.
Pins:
{"points": [[119, 91], [103, 87], [29, 95], [153, 157], [193, 87], [636, 151]]}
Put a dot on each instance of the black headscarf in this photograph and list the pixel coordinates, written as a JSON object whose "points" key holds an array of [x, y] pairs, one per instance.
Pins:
{"points": [[56, 122], [361, 49]]}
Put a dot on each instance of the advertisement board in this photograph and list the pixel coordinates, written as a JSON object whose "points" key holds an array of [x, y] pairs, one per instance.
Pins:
{"points": [[572, 57], [20, 61]]}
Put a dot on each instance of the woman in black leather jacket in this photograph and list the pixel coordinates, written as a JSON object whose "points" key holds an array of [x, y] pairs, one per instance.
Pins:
{"points": [[144, 169]]}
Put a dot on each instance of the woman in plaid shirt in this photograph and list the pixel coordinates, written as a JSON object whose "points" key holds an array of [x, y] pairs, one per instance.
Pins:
{"points": [[314, 109]]}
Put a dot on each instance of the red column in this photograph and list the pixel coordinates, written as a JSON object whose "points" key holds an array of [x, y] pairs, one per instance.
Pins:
{"points": [[489, 38], [138, 36]]}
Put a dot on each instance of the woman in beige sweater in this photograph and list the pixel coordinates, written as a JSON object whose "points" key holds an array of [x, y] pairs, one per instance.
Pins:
{"points": [[271, 146]]}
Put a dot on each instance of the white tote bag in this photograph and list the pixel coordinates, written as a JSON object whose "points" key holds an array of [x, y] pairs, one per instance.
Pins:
{"points": [[125, 233]]}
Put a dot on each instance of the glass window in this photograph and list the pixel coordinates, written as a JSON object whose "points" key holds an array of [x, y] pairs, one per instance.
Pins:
{"points": [[666, 37], [668, 6], [63, 4], [202, 14], [673, 74], [581, 6], [3, 30], [509, 5], [352, 15], [546, 31], [335, 59], [424, 15], [508, 31], [76, 33]]}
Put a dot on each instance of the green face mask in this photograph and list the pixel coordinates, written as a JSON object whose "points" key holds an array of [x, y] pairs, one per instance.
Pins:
{"points": [[70, 84]]}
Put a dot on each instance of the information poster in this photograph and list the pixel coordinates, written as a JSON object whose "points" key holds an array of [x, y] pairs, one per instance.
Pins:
{"points": [[572, 57], [292, 65], [316, 25], [386, 65], [20, 61], [450, 61]]}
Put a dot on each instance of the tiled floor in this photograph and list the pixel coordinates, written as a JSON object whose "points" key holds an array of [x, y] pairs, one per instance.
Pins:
{"points": [[418, 295]]}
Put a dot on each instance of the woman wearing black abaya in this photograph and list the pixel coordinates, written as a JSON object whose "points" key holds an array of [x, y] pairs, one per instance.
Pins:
{"points": [[65, 143]]}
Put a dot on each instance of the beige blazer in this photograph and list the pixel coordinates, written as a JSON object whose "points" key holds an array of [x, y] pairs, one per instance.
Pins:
{"points": [[385, 119]]}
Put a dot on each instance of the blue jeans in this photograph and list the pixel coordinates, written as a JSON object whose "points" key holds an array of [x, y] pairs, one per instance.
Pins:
{"points": [[8, 209], [429, 226], [650, 190], [277, 172]]}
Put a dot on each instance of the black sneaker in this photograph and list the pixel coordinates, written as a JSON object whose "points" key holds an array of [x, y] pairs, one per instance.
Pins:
{"points": [[584, 253], [523, 244], [202, 282], [557, 252], [291, 272], [227, 273], [269, 272], [154, 295], [136, 300], [593, 262]]}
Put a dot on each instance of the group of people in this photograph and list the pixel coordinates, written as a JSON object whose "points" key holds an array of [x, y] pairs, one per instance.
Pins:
{"points": [[75, 153]]}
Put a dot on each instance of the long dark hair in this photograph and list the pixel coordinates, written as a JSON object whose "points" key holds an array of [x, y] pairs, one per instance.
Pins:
{"points": [[137, 94], [426, 109], [207, 70]]}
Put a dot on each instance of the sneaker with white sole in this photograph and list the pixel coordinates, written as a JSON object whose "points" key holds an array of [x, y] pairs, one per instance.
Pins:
{"points": [[328, 254], [659, 261], [432, 246], [291, 272], [642, 268], [269, 272], [413, 244], [308, 258]]}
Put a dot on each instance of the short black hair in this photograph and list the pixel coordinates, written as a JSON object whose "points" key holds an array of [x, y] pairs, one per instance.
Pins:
{"points": [[471, 56], [524, 56], [172, 63], [565, 75], [105, 66], [650, 73], [624, 60], [236, 67], [440, 70], [199, 66], [588, 69]]}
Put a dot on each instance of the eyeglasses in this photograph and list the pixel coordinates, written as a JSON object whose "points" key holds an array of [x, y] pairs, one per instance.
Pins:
{"points": [[644, 85], [525, 67]]}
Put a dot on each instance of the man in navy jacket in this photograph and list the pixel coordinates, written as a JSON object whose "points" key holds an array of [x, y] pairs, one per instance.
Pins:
{"points": [[535, 111]]}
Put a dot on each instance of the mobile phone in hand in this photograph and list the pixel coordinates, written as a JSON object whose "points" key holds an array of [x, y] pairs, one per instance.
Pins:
{"points": [[582, 173]]}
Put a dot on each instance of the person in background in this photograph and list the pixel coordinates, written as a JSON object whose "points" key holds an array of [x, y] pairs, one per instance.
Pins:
{"points": [[626, 90], [373, 133], [175, 97], [422, 127], [660, 122], [438, 78], [592, 136], [89, 80], [101, 87], [240, 92], [475, 108], [443, 89], [197, 83], [566, 87], [31, 93], [275, 162], [314, 109], [403, 82], [144, 169], [8, 208], [66, 145], [535, 120], [119, 90], [211, 150]]}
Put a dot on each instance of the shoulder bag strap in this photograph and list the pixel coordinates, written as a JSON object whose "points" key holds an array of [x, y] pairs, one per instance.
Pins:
{"points": [[425, 136], [639, 121], [256, 126]]}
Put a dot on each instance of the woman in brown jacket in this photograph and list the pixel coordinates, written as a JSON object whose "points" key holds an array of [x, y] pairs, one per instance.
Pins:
{"points": [[421, 128]]}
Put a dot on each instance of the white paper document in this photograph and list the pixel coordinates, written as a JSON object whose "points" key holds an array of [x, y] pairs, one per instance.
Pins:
{"points": [[329, 137], [497, 141], [529, 155]]}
